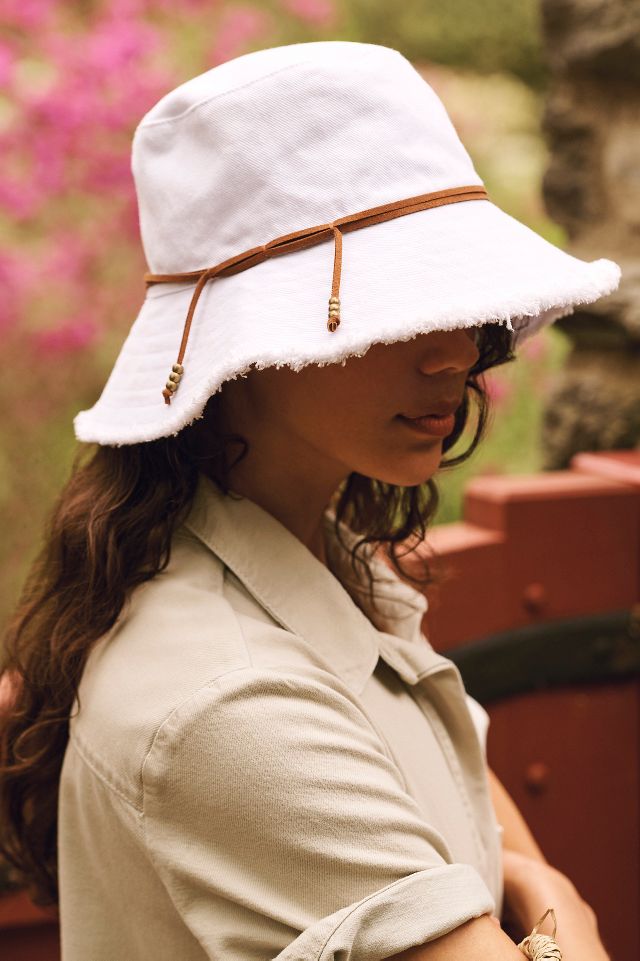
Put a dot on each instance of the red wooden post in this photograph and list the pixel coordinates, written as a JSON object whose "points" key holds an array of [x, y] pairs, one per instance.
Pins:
{"points": [[535, 550], [27, 933]]}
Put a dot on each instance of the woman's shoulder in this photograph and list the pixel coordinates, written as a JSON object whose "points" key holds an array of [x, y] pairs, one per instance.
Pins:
{"points": [[171, 629], [178, 634]]}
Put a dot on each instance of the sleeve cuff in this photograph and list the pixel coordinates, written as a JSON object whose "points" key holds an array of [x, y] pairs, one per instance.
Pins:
{"points": [[411, 911]]}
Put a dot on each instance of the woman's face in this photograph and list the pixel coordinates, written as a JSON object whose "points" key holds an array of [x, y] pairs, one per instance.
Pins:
{"points": [[336, 419]]}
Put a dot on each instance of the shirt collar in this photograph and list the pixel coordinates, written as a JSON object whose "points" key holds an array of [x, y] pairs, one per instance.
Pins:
{"points": [[299, 591]]}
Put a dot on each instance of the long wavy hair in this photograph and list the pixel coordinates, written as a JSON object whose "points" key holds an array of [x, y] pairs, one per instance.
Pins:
{"points": [[110, 530]]}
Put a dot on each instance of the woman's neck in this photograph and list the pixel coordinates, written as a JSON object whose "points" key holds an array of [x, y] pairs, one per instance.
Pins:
{"points": [[291, 497]]}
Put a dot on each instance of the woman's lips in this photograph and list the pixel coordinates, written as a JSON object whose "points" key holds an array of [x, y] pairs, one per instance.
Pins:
{"points": [[436, 426]]}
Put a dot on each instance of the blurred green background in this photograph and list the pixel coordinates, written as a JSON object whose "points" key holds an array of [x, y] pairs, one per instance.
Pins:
{"points": [[70, 259]]}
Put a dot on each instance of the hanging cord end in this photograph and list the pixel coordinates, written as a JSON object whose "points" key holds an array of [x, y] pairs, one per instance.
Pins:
{"points": [[172, 384], [334, 314]]}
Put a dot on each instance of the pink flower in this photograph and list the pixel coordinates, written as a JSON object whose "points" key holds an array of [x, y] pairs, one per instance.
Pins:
{"points": [[238, 27], [28, 14], [112, 175], [320, 13], [498, 388], [62, 109], [536, 347], [7, 63], [67, 258], [73, 336], [127, 8], [170, 5], [116, 43], [20, 199], [18, 275], [49, 166]]}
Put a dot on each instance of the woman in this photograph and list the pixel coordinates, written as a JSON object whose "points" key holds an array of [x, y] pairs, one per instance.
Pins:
{"points": [[223, 700]]}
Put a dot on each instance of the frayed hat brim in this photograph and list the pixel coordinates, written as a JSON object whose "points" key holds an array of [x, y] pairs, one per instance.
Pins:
{"points": [[457, 266]]}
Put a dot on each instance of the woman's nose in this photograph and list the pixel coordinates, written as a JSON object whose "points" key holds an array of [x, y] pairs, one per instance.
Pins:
{"points": [[452, 351]]}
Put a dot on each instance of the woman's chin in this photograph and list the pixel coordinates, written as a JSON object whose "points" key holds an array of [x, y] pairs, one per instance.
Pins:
{"points": [[418, 472]]}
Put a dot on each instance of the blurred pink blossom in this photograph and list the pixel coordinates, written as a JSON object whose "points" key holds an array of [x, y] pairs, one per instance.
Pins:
{"points": [[18, 275], [49, 167], [111, 175], [64, 109], [91, 73], [320, 13], [27, 13], [498, 388], [536, 347], [67, 257], [7, 63], [238, 27], [67, 338], [20, 199], [185, 5], [117, 42], [128, 8]]}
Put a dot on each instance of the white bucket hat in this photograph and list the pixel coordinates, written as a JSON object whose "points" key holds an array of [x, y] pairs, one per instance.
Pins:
{"points": [[248, 175]]}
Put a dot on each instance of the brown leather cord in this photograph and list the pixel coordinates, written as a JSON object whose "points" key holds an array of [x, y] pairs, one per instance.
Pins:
{"points": [[300, 240]]}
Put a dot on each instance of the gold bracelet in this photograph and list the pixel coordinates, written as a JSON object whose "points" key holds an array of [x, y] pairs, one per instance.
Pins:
{"points": [[542, 947]]}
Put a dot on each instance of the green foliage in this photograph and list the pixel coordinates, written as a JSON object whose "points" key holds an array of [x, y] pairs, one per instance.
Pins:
{"points": [[488, 36], [512, 444]]}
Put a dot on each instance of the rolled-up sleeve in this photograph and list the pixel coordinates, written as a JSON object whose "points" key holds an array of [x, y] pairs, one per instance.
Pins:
{"points": [[281, 827]]}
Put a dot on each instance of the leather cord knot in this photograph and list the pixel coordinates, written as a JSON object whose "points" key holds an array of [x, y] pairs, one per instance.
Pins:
{"points": [[299, 240]]}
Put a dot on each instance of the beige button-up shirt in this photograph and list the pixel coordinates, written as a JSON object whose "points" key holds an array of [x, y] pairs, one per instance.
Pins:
{"points": [[261, 767]]}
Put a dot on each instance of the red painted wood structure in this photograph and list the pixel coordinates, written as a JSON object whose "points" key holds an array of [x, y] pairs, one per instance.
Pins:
{"points": [[540, 608], [538, 602], [27, 933]]}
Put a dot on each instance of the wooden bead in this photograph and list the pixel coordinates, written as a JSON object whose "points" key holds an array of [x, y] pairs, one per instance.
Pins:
{"points": [[175, 377], [178, 369], [171, 386], [333, 320]]}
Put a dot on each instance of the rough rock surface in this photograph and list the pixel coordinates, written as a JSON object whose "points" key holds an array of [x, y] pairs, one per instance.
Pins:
{"points": [[592, 188]]}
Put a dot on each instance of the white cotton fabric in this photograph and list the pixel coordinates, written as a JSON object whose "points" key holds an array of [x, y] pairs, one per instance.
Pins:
{"points": [[264, 767], [292, 137]]}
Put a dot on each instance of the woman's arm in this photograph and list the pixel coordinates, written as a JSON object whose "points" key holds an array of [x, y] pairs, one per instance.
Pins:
{"points": [[478, 940], [531, 886], [481, 940], [517, 835]]}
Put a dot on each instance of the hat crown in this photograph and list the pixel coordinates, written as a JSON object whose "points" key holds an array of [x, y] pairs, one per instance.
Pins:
{"points": [[282, 139]]}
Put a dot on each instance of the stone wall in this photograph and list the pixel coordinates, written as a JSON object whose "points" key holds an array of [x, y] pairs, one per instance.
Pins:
{"points": [[592, 188]]}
